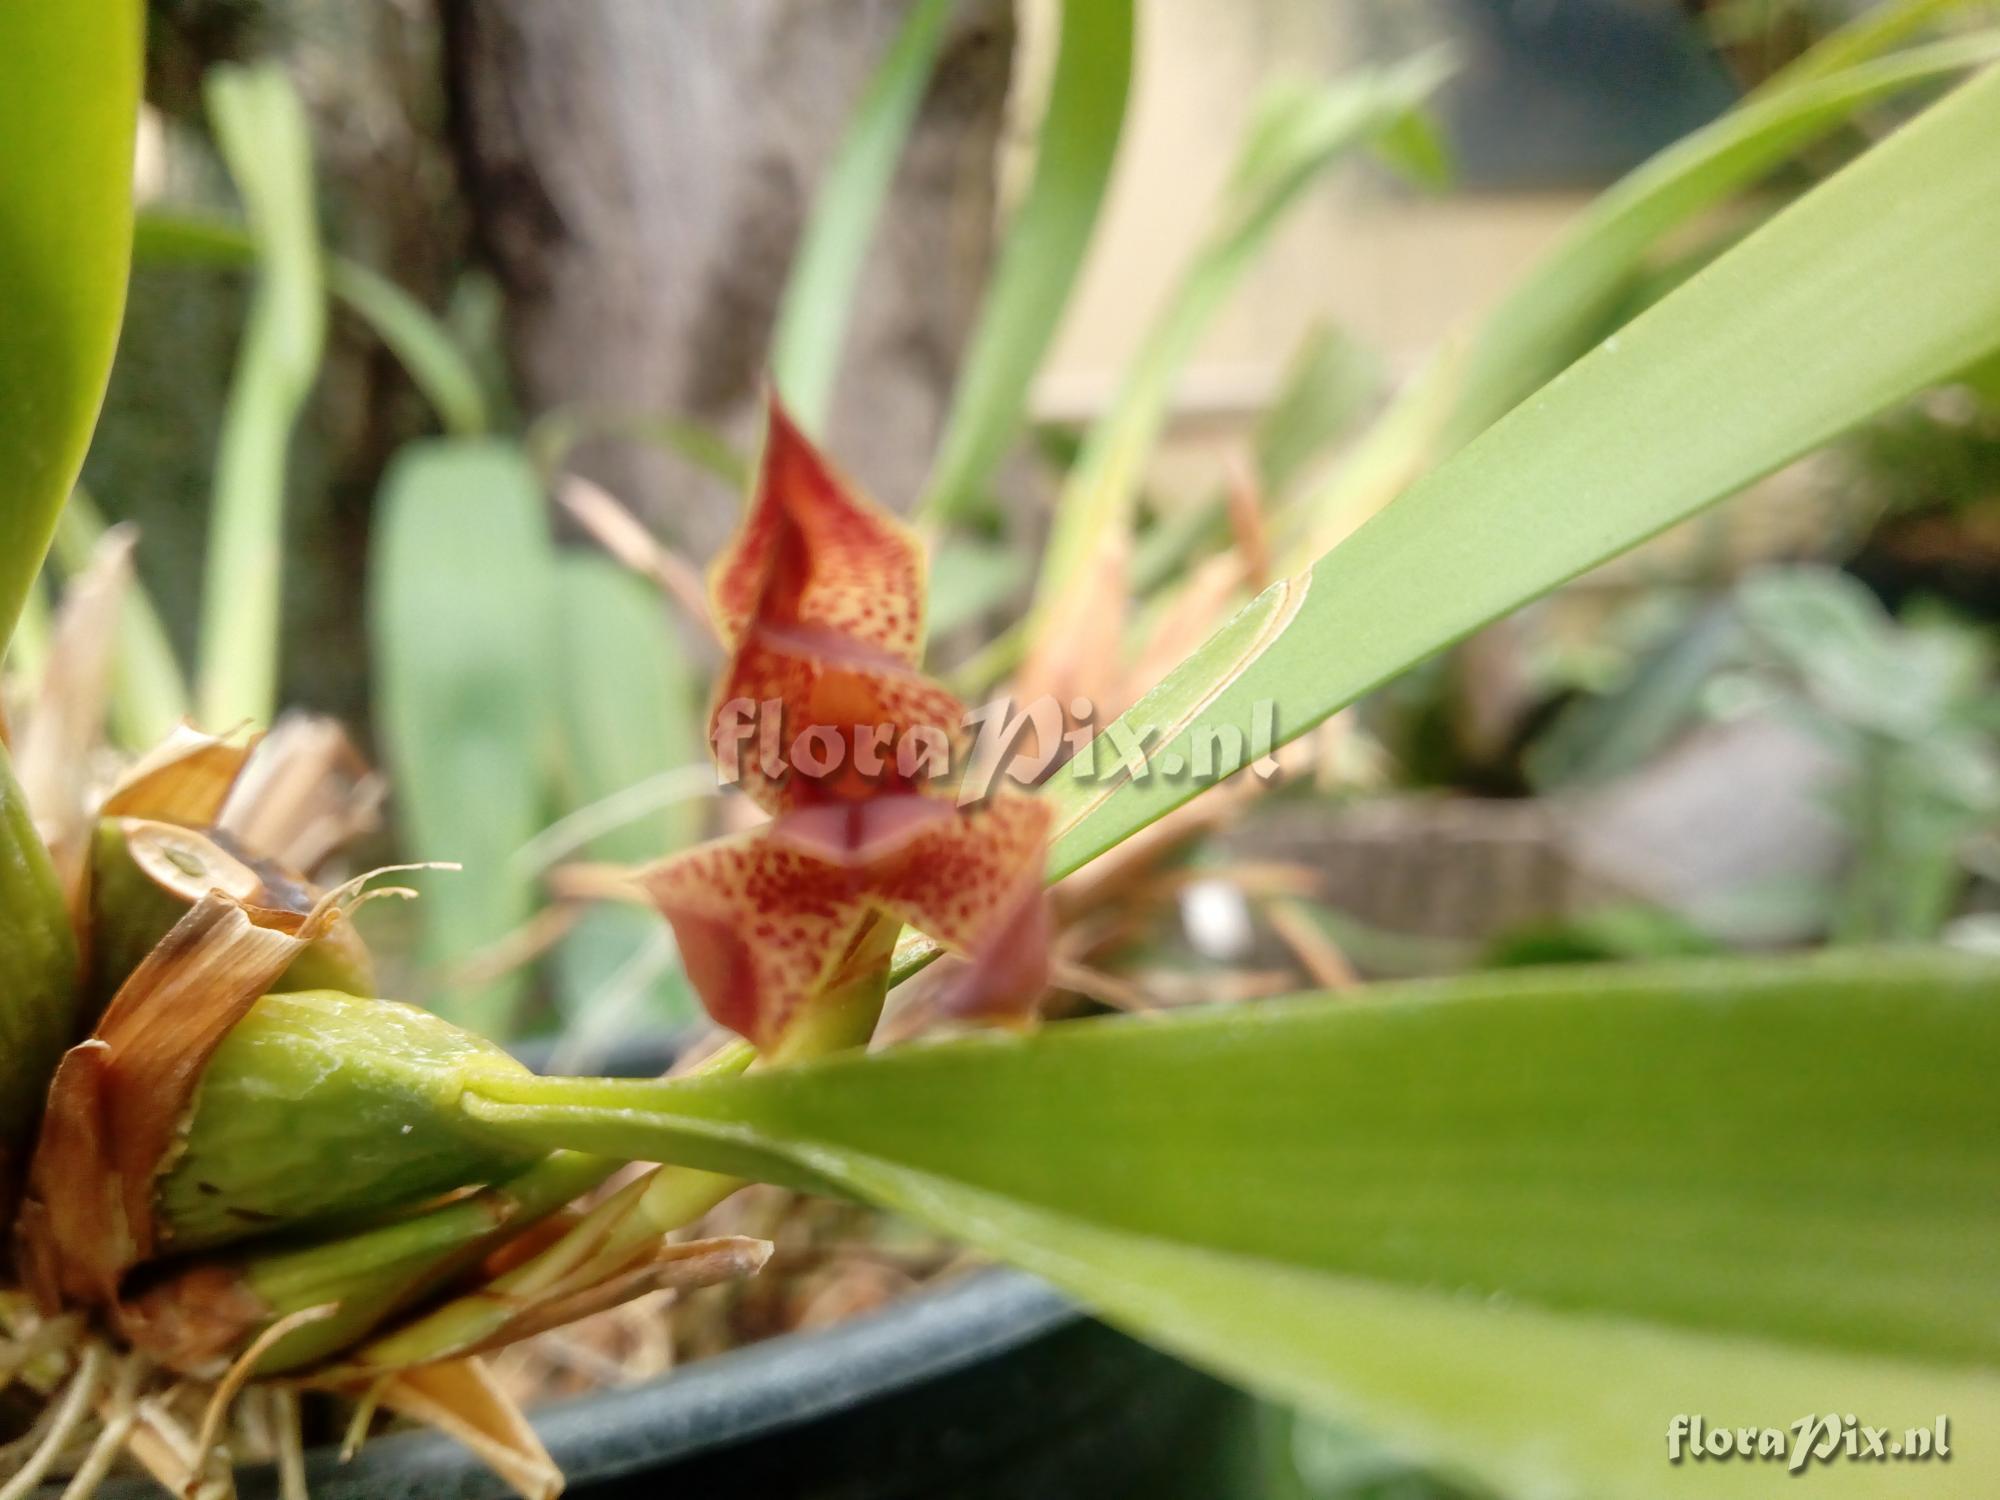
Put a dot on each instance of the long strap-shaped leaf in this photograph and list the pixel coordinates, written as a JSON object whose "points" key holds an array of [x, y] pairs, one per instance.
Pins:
{"points": [[69, 101], [812, 319], [429, 353], [1875, 284], [1517, 1222], [1296, 134], [1043, 253], [261, 127]]}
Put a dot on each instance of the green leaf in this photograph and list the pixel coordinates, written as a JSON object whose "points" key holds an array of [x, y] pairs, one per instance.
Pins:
{"points": [[1296, 134], [423, 346], [428, 352], [1043, 253], [149, 694], [969, 579], [260, 127], [1562, 307], [69, 101], [556, 431], [1851, 657], [1511, 1223], [1874, 31], [812, 319], [1865, 290], [1329, 381], [630, 714], [462, 624], [1552, 315]]}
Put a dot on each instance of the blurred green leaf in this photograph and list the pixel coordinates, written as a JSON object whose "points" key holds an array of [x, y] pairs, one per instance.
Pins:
{"points": [[149, 694], [1898, 702], [1600, 935], [1296, 134], [1552, 315], [556, 431], [1511, 1223], [812, 319], [1415, 146], [971, 579], [1602, 736], [421, 344], [69, 99], [426, 349], [462, 628], [260, 128], [631, 712], [1849, 655], [1043, 253], [1338, 1463], [1865, 290], [1562, 306], [1871, 33], [1330, 380]]}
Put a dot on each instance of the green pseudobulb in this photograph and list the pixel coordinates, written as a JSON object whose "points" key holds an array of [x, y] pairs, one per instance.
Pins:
{"points": [[320, 1109], [38, 1011]]}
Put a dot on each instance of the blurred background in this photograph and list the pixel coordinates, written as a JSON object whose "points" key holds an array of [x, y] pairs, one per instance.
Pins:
{"points": [[555, 244]]}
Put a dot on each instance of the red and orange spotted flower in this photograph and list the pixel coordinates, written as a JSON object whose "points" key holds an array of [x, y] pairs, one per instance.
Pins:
{"points": [[825, 719]]}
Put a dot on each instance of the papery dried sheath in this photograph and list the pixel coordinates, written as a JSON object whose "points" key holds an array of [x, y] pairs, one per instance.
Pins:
{"points": [[145, 875]]}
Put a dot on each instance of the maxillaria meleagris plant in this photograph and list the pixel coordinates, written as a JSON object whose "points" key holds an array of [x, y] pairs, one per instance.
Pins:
{"points": [[224, 1159]]}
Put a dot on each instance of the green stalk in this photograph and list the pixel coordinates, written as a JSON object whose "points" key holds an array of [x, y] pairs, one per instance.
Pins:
{"points": [[261, 129]]}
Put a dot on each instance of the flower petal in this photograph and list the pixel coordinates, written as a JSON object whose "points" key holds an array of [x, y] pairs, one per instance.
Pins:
{"points": [[761, 927], [814, 554], [801, 719], [974, 886]]}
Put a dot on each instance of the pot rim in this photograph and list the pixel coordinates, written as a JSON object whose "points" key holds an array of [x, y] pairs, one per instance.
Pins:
{"points": [[730, 1398]]}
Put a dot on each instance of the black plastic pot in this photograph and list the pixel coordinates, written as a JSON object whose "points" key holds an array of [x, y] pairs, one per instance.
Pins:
{"points": [[994, 1388]]}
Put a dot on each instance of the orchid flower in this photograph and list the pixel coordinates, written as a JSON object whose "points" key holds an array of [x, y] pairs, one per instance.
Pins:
{"points": [[820, 598]]}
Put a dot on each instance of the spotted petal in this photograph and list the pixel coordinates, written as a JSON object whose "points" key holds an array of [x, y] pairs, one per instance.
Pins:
{"points": [[768, 920], [816, 556]]}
